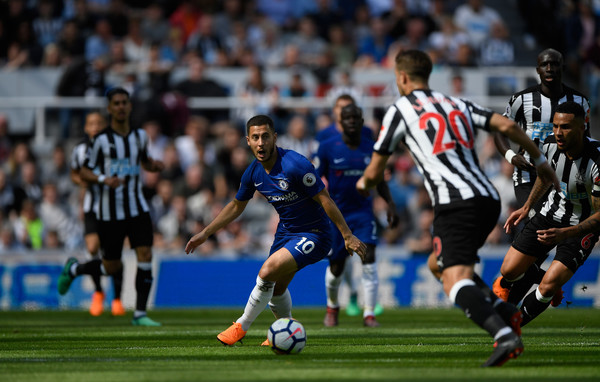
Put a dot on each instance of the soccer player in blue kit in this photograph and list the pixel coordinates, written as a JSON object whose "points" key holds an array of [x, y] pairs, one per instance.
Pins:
{"points": [[303, 237], [341, 159]]}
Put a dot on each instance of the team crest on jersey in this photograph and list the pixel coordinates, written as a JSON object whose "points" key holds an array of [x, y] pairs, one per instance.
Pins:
{"points": [[309, 179], [283, 184]]}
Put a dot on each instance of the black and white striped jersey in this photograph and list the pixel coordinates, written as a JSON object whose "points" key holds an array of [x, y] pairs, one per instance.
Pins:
{"points": [[78, 157], [533, 111], [122, 156], [579, 181], [439, 131]]}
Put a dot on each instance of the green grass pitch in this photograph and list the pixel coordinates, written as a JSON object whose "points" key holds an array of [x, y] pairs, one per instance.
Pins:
{"points": [[411, 345]]}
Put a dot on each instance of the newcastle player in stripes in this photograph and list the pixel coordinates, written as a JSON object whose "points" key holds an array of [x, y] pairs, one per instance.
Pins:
{"points": [[439, 131], [117, 154], [533, 109], [566, 218]]}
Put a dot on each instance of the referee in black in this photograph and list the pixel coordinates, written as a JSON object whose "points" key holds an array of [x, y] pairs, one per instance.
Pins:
{"points": [[533, 109], [440, 132], [119, 152]]}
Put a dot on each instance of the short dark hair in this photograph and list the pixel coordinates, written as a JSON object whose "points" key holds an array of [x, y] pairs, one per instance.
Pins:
{"points": [[260, 120], [415, 63], [571, 107], [350, 108], [114, 91]]}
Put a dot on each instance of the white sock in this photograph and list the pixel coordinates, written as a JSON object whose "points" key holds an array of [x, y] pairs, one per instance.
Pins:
{"points": [[332, 285], [347, 275], [370, 283], [257, 302], [281, 306]]}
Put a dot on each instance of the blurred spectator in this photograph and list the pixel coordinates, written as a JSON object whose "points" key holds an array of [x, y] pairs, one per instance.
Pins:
{"points": [[344, 84], [476, 19], [225, 173], [8, 240], [157, 141], [541, 18], [269, 51], [176, 225], [17, 13], [6, 142], [84, 17], [498, 49], [373, 48], [416, 36], [82, 78], [191, 146], [154, 27], [204, 41], [197, 189], [186, 17], [234, 238], [30, 181], [172, 170], [421, 243], [48, 23], [325, 15], [136, 44], [161, 201], [57, 171], [98, 44], [232, 11], [24, 50], [581, 27], [258, 97], [448, 39], [172, 49], [342, 48], [52, 56], [55, 217], [308, 41], [11, 197], [29, 229], [118, 18], [197, 85], [70, 42], [20, 154], [297, 137], [279, 11]]}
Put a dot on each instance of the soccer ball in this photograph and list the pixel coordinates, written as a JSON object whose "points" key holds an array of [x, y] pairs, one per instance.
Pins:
{"points": [[286, 336]]}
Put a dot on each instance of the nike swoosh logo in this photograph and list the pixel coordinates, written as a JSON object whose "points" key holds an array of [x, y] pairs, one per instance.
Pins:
{"points": [[258, 184], [338, 160], [295, 331]]}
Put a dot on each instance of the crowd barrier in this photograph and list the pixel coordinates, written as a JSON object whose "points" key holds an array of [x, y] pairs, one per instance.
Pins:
{"points": [[28, 281]]}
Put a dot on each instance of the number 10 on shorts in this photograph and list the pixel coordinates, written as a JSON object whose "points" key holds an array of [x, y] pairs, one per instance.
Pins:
{"points": [[305, 246]]}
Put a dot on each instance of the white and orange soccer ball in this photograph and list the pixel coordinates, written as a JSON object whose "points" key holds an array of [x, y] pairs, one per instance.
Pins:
{"points": [[287, 336]]}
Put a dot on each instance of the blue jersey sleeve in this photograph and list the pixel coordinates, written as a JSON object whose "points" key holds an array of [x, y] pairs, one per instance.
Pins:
{"points": [[321, 162], [247, 188], [306, 176]]}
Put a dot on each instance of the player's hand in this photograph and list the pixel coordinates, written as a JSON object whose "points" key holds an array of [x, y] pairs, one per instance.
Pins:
{"points": [[353, 244], [547, 174], [552, 236], [515, 218], [520, 162], [362, 188], [195, 242], [113, 182], [392, 216]]}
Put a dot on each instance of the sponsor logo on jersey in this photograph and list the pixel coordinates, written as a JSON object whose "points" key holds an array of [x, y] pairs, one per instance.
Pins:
{"points": [[290, 197]]}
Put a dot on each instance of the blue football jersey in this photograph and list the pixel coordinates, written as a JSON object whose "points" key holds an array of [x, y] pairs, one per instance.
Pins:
{"points": [[342, 167], [289, 187]]}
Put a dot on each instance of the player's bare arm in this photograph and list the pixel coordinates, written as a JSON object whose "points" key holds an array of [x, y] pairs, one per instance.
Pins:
{"points": [[511, 130], [513, 158], [590, 225], [88, 175], [228, 214], [538, 190], [373, 173], [392, 214], [353, 244]]}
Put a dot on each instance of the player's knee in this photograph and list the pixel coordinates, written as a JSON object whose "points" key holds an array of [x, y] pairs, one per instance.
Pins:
{"points": [[144, 254], [112, 267]]}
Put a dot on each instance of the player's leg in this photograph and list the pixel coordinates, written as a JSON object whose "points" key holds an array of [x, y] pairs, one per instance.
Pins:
{"points": [[333, 279], [92, 244], [538, 300], [370, 282], [352, 309], [514, 267], [139, 231]]}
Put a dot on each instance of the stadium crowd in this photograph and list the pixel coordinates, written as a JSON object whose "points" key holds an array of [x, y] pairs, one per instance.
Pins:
{"points": [[137, 45]]}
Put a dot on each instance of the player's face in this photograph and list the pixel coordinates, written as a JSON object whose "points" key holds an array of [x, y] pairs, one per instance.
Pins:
{"points": [[262, 142], [119, 107], [352, 122], [337, 109], [549, 68], [568, 132], [94, 123]]}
